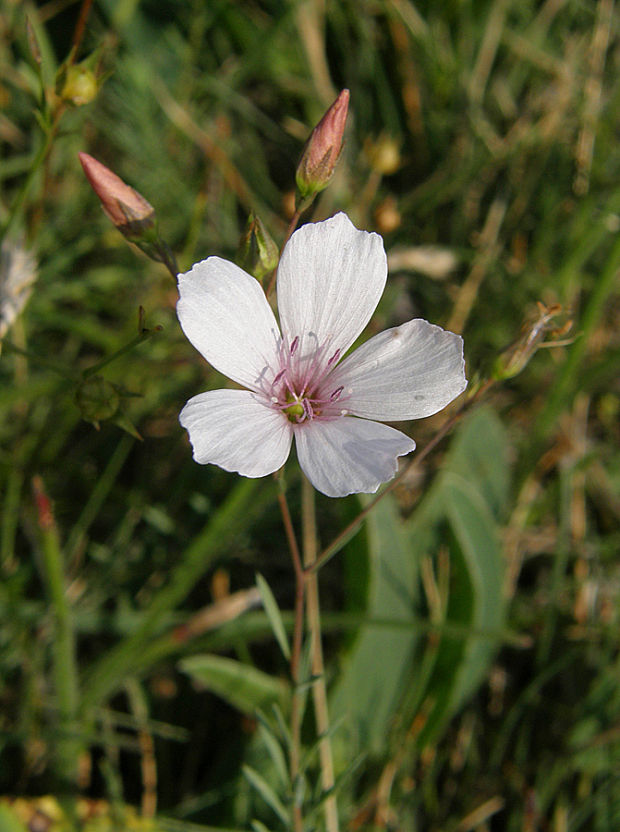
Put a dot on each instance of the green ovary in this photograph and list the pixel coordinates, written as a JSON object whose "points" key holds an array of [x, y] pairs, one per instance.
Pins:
{"points": [[294, 412]]}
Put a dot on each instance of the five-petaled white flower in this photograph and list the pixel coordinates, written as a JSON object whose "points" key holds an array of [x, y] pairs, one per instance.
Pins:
{"points": [[298, 382]]}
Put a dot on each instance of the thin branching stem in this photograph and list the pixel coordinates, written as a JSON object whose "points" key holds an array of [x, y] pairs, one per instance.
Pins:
{"points": [[80, 28], [347, 533]]}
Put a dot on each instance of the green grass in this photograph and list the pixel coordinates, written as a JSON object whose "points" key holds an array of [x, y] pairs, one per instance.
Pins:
{"points": [[500, 710]]}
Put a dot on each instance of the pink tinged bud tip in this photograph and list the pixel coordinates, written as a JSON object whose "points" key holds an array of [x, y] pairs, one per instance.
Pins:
{"points": [[124, 206], [323, 148]]}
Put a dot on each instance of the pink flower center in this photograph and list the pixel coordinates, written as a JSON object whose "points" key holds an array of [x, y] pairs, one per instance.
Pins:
{"points": [[300, 388]]}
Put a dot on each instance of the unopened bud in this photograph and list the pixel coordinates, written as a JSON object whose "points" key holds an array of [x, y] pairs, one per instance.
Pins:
{"points": [[318, 161], [80, 86], [97, 399], [125, 207], [514, 359], [258, 254]]}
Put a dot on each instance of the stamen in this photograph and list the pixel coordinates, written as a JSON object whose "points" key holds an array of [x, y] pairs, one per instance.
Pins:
{"points": [[299, 388]]}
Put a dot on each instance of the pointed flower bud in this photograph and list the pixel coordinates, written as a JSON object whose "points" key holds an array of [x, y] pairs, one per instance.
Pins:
{"points": [[318, 161], [258, 254], [128, 210]]}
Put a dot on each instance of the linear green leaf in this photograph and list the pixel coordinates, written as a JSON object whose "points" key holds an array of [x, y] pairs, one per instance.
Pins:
{"points": [[270, 605]]}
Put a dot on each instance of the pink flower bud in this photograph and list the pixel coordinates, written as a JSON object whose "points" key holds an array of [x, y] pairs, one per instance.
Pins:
{"points": [[128, 210], [323, 148]]}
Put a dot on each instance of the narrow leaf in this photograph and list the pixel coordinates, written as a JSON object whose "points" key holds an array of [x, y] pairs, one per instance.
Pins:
{"points": [[267, 793], [270, 605], [241, 685]]}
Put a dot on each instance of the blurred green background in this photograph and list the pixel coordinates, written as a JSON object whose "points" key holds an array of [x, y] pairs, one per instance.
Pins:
{"points": [[472, 626]]}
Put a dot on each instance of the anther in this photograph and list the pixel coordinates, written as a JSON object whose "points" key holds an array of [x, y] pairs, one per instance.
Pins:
{"points": [[294, 345], [336, 394]]}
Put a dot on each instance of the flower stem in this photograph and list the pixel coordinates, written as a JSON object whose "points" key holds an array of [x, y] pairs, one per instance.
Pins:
{"points": [[296, 705], [144, 335], [289, 233], [319, 690]]}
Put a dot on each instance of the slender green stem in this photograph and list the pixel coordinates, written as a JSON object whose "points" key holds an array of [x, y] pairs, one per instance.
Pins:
{"points": [[10, 514], [167, 259], [20, 199], [298, 632], [289, 233], [63, 643], [142, 336], [65, 372], [319, 689]]}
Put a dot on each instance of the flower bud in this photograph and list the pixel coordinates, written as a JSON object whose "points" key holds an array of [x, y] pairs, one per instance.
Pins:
{"points": [[97, 399], [128, 210], [516, 357], [318, 161], [258, 254], [80, 86]]}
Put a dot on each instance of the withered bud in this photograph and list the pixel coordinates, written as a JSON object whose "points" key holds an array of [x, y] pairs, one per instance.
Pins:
{"points": [[322, 150], [534, 332], [258, 254], [125, 207]]}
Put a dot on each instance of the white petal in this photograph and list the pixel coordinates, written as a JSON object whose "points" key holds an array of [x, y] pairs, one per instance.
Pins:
{"points": [[330, 279], [225, 314], [348, 455], [238, 432], [408, 372]]}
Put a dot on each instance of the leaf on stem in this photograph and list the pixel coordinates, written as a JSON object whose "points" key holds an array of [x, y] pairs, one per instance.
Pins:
{"points": [[270, 605], [241, 685]]}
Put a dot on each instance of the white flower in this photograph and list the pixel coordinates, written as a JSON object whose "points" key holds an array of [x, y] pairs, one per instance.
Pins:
{"points": [[18, 272], [330, 279]]}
